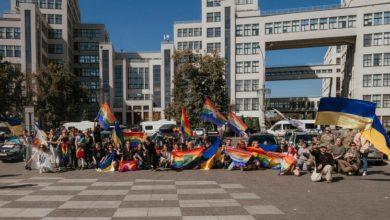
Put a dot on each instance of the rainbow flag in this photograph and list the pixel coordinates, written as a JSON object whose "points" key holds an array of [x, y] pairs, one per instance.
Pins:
{"points": [[186, 159], [135, 138], [236, 124], [239, 156], [211, 114], [126, 166], [117, 134], [272, 159], [105, 116], [185, 124]]}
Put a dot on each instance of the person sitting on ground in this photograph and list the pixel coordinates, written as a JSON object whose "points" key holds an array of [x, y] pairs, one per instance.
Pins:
{"points": [[338, 151], [165, 157], [303, 157], [351, 162], [311, 160], [97, 155], [139, 156], [109, 159], [324, 163]]}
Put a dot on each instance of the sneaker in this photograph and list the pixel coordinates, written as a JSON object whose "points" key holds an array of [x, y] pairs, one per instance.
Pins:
{"points": [[349, 173], [364, 173]]}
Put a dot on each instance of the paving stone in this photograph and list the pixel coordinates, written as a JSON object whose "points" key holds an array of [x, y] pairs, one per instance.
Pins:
{"points": [[231, 186], [151, 197], [24, 212], [154, 187], [15, 192], [64, 188], [195, 182], [164, 212], [112, 184], [208, 203], [90, 204], [36, 198], [77, 180], [104, 192], [263, 210], [244, 196], [200, 191]]}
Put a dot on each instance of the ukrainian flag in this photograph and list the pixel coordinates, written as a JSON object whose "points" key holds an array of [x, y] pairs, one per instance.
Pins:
{"points": [[354, 114], [14, 125]]}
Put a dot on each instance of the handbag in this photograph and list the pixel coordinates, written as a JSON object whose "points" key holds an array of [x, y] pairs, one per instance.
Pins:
{"points": [[316, 177]]}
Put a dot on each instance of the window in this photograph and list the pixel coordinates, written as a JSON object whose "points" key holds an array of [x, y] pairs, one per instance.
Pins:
{"points": [[295, 26], [305, 25], [255, 85], [368, 20], [239, 86], [239, 105], [185, 32], [377, 99], [367, 40], [367, 80], [377, 59], [217, 16], [268, 28], [378, 18], [255, 104], [180, 33], [247, 48], [247, 85], [247, 104], [333, 23], [210, 32], [210, 47], [255, 48], [50, 4], [367, 98], [210, 17], [352, 21], [377, 39], [17, 51], [58, 4], [278, 27], [377, 80], [239, 30], [239, 67], [286, 26], [58, 19], [239, 49], [343, 22], [386, 17], [55, 34], [255, 30], [255, 67], [386, 121], [50, 19], [247, 30], [323, 23], [247, 67], [386, 38], [386, 79], [367, 60], [386, 59], [386, 101]]}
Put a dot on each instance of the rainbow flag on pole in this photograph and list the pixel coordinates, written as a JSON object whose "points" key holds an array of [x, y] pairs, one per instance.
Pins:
{"points": [[185, 159], [105, 116], [135, 138], [185, 124], [211, 114], [236, 124]]}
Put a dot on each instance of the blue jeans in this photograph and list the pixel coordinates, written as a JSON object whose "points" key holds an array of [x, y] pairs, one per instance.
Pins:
{"points": [[365, 161]]}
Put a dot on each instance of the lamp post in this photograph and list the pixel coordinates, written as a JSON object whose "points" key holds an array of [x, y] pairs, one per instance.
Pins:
{"points": [[262, 94]]}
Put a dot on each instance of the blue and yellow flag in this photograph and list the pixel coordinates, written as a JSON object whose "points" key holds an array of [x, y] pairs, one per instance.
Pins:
{"points": [[117, 134], [14, 125], [354, 114]]}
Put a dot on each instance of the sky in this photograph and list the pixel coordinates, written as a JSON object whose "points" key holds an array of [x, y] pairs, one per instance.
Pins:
{"points": [[135, 25]]}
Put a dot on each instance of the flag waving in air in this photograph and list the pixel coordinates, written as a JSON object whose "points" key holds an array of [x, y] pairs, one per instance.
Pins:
{"points": [[236, 124], [211, 114], [185, 124], [40, 137], [105, 116]]}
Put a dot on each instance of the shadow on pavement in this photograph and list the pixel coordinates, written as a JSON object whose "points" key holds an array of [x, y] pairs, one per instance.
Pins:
{"points": [[9, 175], [377, 180], [338, 179], [378, 172], [17, 186]]}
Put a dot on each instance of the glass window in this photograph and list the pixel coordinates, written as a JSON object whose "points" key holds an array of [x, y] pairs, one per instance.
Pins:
{"points": [[17, 51], [367, 98], [386, 38], [217, 32], [333, 23], [313, 24], [386, 59], [239, 49], [238, 85], [58, 19], [323, 23], [377, 80], [247, 48], [239, 105], [305, 25], [210, 47], [377, 99], [367, 41], [58, 4], [180, 33], [210, 32], [255, 104], [269, 28], [377, 59], [255, 67], [247, 30], [367, 60], [352, 21], [278, 27], [185, 32], [239, 67], [190, 32], [9, 51], [286, 26], [17, 33], [386, 101], [247, 85], [255, 85], [217, 16], [386, 79], [210, 17], [255, 48], [367, 19], [247, 104], [378, 18], [295, 26], [255, 30], [343, 22], [367, 80], [386, 17], [247, 67], [239, 30], [377, 39]]}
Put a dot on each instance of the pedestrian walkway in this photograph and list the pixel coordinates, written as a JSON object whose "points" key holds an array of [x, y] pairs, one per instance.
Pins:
{"points": [[60, 198]]}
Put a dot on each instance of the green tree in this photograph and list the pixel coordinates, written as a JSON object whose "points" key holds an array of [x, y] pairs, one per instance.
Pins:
{"points": [[197, 77], [59, 96], [12, 92]]}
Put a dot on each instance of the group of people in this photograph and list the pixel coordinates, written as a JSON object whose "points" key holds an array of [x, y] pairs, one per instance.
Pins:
{"points": [[346, 152]]}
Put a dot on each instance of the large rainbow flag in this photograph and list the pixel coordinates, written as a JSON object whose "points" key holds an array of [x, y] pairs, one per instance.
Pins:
{"points": [[236, 124], [105, 116], [239, 156], [186, 159], [135, 138], [185, 124], [211, 114], [272, 159]]}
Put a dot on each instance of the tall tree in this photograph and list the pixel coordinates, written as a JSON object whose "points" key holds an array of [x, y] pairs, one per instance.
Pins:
{"points": [[12, 92], [195, 78], [59, 96]]}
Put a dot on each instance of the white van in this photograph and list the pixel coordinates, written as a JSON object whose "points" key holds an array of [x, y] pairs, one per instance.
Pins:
{"points": [[82, 126], [281, 127], [151, 127]]}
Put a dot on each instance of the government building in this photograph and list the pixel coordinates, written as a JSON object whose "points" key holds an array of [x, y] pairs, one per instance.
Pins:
{"points": [[138, 85]]}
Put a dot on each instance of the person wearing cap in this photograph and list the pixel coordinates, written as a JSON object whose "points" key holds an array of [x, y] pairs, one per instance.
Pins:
{"points": [[328, 137], [324, 162]]}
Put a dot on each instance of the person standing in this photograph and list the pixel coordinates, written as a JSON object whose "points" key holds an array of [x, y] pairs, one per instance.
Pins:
{"points": [[364, 148], [328, 137], [53, 147], [26, 141]]}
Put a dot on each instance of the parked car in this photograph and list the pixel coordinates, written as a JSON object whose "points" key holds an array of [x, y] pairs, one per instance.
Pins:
{"points": [[305, 136], [267, 141], [11, 150]]}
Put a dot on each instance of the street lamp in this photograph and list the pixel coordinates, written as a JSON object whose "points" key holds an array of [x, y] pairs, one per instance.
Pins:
{"points": [[263, 93]]}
